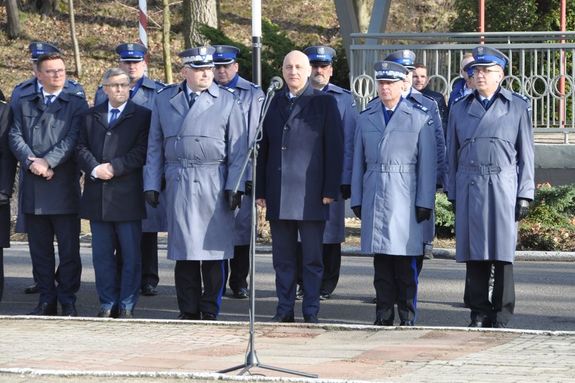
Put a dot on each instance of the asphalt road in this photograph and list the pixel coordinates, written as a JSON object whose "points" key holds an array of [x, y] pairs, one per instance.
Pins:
{"points": [[544, 291]]}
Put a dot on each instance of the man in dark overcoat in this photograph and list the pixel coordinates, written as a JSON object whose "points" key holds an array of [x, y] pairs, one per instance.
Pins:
{"points": [[300, 163], [7, 174], [43, 137], [112, 151], [491, 182]]}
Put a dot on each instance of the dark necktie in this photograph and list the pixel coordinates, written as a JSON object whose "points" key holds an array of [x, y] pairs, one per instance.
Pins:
{"points": [[48, 99], [291, 102], [388, 114], [485, 103], [114, 113], [193, 97]]}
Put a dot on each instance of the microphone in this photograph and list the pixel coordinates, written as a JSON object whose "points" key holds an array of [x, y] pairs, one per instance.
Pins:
{"points": [[276, 83]]}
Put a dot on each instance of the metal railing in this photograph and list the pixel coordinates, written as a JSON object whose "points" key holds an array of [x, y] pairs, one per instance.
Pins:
{"points": [[541, 66]]}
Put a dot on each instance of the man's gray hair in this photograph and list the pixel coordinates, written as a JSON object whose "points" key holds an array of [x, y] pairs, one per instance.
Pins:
{"points": [[113, 72]]}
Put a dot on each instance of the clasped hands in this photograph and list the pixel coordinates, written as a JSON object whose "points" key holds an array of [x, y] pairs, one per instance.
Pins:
{"points": [[104, 171], [40, 167]]}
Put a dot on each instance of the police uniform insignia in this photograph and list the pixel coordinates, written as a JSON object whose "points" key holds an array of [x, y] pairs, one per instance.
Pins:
{"points": [[261, 99], [256, 86], [353, 102], [130, 47], [203, 51], [321, 50], [384, 65], [166, 87], [406, 54]]}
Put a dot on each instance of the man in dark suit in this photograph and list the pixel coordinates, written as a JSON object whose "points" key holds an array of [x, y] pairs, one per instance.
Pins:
{"points": [[421, 83], [43, 138], [300, 162], [7, 173], [112, 151]]}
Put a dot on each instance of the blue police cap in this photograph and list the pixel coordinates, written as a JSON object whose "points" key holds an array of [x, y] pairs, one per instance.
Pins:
{"points": [[131, 52], [225, 54], [403, 57], [389, 71], [320, 54], [486, 56], [198, 57], [468, 68], [38, 49]]}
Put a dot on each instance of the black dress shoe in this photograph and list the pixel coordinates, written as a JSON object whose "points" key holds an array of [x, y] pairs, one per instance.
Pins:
{"points": [[499, 325], [407, 323], [209, 316], [240, 294], [187, 316], [299, 293], [148, 290], [32, 289], [373, 300], [485, 323], [45, 308], [105, 313], [324, 296], [283, 318], [383, 322], [125, 314], [69, 310], [310, 319]]}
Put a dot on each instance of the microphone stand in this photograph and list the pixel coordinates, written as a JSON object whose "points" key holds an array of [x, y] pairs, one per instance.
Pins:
{"points": [[252, 359]]}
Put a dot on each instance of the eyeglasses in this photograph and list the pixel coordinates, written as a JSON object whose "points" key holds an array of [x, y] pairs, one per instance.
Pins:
{"points": [[122, 85], [225, 66], [54, 72]]}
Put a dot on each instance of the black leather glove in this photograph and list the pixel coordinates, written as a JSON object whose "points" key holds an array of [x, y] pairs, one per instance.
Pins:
{"points": [[163, 187], [4, 199], [152, 198], [248, 187], [234, 199], [357, 211], [345, 191], [521, 209], [422, 214]]}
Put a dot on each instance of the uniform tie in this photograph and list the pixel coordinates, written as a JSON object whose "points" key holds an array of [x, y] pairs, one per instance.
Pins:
{"points": [[193, 97], [48, 99], [387, 115], [114, 113], [485, 103]]}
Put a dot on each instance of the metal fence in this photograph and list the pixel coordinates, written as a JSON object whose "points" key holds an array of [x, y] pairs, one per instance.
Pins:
{"points": [[541, 66]]}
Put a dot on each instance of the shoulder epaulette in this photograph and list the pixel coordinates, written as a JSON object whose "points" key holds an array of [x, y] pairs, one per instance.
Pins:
{"points": [[255, 85], [420, 107], [73, 82], [231, 90], [166, 87], [161, 84], [521, 96]]}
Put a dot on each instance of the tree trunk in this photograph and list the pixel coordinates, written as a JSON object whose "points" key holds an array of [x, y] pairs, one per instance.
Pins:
{"points": [[75, 39], [197, 12], [12, 14], [363, 14], [166, 43]]}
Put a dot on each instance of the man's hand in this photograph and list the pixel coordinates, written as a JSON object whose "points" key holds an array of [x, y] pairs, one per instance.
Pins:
{"points": [[345, 191], [234, 199], [261, 202], [357, 211], [422, 214], [152, 198], [327, 200], [39, 166], [104, 171], [521, 209]]}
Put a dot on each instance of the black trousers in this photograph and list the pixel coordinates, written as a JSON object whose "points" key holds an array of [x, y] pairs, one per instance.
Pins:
{"points": [[395, 281], [331, 257], [240, 268], [149, 247], [55, 283], [192, 299], [502, 304], [1, 273]]}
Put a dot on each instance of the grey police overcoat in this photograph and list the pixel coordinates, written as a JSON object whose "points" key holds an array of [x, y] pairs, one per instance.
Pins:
{"points": [[200, 150], [490, 157], [251, 98], [156, 219], [334, 231], [394, 170]]}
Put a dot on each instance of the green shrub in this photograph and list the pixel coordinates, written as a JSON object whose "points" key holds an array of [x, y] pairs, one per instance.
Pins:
{"points": [[444, 217]]}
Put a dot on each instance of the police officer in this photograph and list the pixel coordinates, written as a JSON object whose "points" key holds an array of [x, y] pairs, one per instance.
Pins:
{"points": [[464, 84], [7, 173], [43, 138], [407, 59], [197, 136], [321, 59], [28, 87], [251, 97], [143, 91], [491, 182], [393, 191]]}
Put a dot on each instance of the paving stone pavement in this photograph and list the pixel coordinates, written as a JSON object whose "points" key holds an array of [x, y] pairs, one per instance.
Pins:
{"points": [[105, 350]]}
